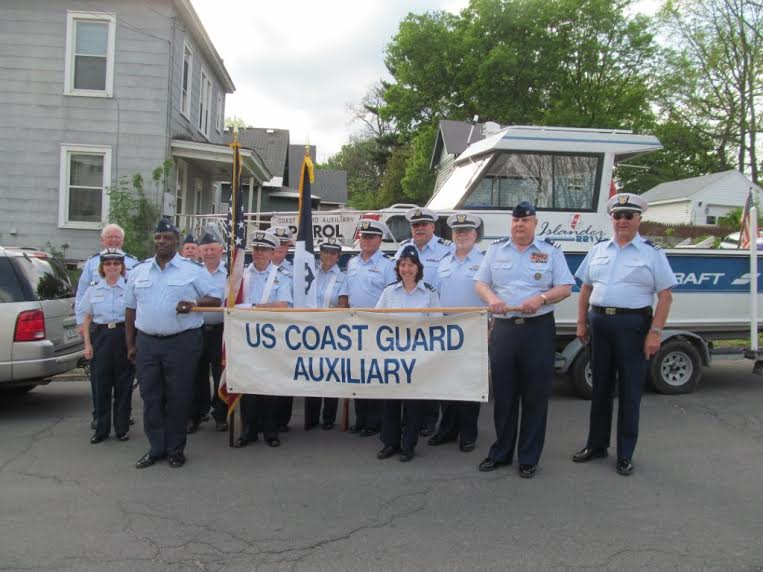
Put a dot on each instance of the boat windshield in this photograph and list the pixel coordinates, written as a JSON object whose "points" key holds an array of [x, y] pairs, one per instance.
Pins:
{"points": [[549, 181]]}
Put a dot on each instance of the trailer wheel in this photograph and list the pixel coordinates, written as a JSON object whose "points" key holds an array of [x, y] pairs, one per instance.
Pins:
{"points": [[675, 368], [581, 375]]}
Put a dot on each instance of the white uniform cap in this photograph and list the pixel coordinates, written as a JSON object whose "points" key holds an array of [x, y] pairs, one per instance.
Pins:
{"points": [[627, 202], [464, 220], [421, 215], [264, 238], [282, 233], [371, 226]]}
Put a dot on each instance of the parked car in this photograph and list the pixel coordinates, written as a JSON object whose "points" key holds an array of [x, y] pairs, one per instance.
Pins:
{"points": [[38, 330], [732, 241]]}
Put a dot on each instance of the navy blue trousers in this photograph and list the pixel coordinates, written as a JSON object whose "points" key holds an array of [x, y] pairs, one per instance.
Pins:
{"points": [[313, 410], [112, 374], [401, 420], [166, 370], [617, 347], [459, 419], [210, 361], [368, 413], [522, 366], [260, 415]]}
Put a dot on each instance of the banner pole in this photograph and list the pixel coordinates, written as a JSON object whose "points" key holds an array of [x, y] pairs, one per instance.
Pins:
{"points": [[448, 310]]}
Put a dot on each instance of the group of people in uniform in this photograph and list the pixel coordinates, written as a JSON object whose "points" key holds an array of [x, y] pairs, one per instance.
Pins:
{"points": [[136, 318]]}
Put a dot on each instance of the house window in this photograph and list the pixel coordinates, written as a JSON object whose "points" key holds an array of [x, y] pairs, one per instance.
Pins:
{"points": [[89, 67], [205, 103], [85, 174], [711, 220], [185, 88], [220, 116]]}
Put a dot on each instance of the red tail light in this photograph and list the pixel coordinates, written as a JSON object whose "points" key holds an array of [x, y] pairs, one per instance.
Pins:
{"points": [[30, 326]]}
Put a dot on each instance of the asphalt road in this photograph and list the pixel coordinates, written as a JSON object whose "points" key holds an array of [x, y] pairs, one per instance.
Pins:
{"points": [[323, 502]]}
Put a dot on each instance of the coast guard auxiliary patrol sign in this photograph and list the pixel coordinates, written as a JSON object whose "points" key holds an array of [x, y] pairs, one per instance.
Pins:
{"points": [[357, 354]]}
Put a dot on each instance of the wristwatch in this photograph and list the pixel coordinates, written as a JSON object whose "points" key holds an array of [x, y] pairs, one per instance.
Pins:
{"points": [[656, 330], [545, 300]]}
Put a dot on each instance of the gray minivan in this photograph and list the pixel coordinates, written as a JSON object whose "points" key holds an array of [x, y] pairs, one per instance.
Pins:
{"points": [[38, 330]]}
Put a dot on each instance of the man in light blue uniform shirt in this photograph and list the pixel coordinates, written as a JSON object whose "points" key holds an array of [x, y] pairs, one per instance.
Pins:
{"points": [[368, 274], [431, 250], [112, 236], [521, 278], [266, 286], [164, 340], [456, 276], [210, 251], [284, 236], [620, 278]]}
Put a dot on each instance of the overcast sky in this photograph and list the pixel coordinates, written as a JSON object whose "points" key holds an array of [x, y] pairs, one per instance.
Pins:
{"points": [[297, 65]]}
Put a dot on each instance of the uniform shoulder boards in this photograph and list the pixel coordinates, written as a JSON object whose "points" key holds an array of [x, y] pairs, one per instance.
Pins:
{"points": [[407, 241], [390, 284], [283, 271], [144, 260], [192, 261], [388, 256], [445, 241], [553, 243], [96, 255], [429, 287], [130, 256], [504, 239], [653, 245]]}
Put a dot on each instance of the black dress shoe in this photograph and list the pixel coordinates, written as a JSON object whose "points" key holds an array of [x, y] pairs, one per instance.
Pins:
{"points": [[467, 447], [586, 454], [221, 426], [205, 418], [275, 442], [438, 439], [624, 467], [309, 426], [406, 455], [527, 471], [131, 421], [426, 430], [240, 443], [386, 452], [367, 432], [283, 428], [146, 461], [327, 426], [489, 464], [355, 429], [95, 439], [177, 460], [123, 437]]}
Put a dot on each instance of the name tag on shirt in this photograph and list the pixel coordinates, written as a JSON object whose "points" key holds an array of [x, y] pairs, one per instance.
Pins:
{"points": [[539, 258]]}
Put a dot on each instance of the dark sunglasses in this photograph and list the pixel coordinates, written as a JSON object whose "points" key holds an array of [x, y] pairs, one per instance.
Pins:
{"points": [[626, 216], [112, 263]]}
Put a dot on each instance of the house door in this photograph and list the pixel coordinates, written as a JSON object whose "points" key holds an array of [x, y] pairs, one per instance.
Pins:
{"points": [[181, 190]]}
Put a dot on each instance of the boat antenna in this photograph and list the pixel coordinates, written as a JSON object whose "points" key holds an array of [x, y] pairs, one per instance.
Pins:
{"points": [[475, 119]]}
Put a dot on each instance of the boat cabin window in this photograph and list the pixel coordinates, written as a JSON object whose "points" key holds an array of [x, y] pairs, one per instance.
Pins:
{"points": [[554, 182]]}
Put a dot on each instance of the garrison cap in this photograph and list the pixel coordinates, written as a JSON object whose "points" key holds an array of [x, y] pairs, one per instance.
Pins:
{"points": [[464, 220], [421, 215], [264, 238], [209, 238], [282, 233], [627, 202], [112, 254], [522, 210], [331, 244], [190, 239], [164, 225], [370, 226], [409, 251]]}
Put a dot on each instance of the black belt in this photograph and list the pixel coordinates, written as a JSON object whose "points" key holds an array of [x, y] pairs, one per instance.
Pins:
{"points": [[168, 336], [212, 327], [519, 320], [108, 326], [646, 310]]}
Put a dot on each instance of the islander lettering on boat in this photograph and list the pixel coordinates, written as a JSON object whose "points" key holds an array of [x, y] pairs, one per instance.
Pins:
{"points": [[569, 234]]}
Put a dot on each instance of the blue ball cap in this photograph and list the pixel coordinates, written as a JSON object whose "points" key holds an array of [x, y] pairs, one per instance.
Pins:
{"points": [[409, 251], [164, 225], [522, 210], [190, 240], [209, 238]]}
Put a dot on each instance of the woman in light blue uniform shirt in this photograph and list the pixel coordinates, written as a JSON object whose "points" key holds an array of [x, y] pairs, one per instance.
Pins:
{"points": [[104, 319], [410, 291], [456, 278]]}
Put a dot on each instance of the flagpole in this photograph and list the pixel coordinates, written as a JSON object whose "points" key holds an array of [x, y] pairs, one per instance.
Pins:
{"points": [[754, 279], [231, 303], [443, 310]]}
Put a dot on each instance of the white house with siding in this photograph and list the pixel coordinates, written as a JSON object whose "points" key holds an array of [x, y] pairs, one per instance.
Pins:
{"points": [[95, 90], [698, 200]]}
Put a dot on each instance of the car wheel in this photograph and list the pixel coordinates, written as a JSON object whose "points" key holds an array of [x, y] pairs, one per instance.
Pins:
{"points": [[581, 375], [675, 368]]}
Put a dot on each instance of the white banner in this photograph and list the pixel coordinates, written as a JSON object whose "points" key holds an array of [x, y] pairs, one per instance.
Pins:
{"points": [[357, 354]]}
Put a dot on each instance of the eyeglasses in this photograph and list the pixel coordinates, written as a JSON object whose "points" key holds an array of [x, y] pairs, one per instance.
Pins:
{"points": [[112, 263], [626, 216]]}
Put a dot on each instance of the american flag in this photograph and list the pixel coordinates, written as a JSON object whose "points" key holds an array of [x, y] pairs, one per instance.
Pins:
{"points": [[236, 239], [744, 237]]}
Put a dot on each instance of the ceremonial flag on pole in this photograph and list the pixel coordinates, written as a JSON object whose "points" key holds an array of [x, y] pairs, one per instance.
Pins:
{"points": [[305, 284], [744, 236], [236, 238]]}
